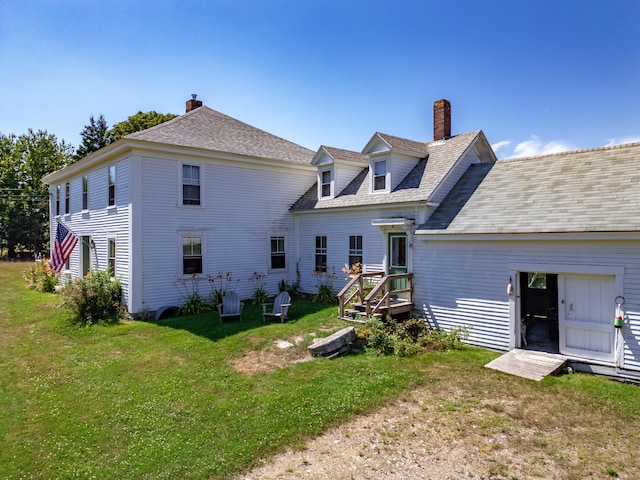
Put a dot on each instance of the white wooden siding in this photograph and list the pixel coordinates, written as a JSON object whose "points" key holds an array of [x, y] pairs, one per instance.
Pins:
{"points": [[337, 227], [343, 175], [100, 222], [464, 283], [244, 207], [399, 166]]}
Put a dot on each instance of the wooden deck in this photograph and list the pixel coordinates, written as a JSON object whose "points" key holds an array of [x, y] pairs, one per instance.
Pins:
{"points": [[529, 364], [396, 307]]}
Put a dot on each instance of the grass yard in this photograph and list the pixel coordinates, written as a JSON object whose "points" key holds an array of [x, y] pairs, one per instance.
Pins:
{"points": [[190, 398]]}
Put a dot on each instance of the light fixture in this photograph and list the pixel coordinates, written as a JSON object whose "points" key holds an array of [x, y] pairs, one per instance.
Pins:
{"points": [[92, 244]]}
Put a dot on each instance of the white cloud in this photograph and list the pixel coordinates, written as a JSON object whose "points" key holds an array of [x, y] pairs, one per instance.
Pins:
{"points": [[535, 146], [621, 140], [498, 145]]}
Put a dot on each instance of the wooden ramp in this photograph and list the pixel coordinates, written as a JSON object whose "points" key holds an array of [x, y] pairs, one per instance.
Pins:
{"points": [[528, 363]]}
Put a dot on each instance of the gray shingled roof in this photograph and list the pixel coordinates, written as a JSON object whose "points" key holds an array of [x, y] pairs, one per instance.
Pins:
{"points": [[595, 190], [209, 129], [418, 185], [349, 155]]}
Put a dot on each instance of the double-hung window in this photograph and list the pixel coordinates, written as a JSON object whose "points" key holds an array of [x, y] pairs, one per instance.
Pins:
{"points": [[321, 253], [325, 183], [380, 176], [112, 257], [58, 200], [355, 249], [278, 260], [67, 198], [191, 255], [190, 185], [112, 185], [85, 193]]}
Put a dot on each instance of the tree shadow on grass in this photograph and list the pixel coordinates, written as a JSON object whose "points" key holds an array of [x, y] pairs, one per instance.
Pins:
{"points": [[207, 324]]}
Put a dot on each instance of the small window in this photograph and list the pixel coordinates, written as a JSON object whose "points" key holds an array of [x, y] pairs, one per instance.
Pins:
{"points": [[355, 249], [325, 183], [67, 198], [190, 185], [537, 281], [85, 193], [191, 255], [112, 257], [58, 200], [380, 175], [321, 253], [277, 253], [112, 185]]}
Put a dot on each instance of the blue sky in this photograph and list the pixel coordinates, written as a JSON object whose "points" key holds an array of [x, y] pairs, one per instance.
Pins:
{"points": [[537, 76]]}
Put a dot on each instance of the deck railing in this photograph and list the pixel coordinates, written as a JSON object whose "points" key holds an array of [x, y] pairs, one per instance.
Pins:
{"points": [[381, 291]]}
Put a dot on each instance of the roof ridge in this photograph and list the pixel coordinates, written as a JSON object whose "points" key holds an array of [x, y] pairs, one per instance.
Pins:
{"points": [[572, 152]]}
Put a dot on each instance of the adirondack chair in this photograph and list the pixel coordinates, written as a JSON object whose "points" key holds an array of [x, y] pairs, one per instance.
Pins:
{"points": [[231, 306], [280, 307]]}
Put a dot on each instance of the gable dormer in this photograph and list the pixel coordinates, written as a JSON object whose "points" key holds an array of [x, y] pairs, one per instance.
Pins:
{"points": [[390, 160], [336, 169]]}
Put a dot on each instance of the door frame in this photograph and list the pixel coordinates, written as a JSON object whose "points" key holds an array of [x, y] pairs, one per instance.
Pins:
{"points": [[514, 269]]}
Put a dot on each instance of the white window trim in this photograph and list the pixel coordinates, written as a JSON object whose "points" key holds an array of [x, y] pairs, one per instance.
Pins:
{"points": [[112, 238], [320, 184], [82, 193], [115, 184], [349, 247], [286, 259], [203, 245], [387, 176], [57, 194], [181, 203], [315, 251]]}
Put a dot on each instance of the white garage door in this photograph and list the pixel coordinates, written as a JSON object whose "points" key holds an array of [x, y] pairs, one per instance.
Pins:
{"points": [[586, 312]]}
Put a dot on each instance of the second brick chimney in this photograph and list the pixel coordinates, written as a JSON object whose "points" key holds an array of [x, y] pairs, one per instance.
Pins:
{"points": [[193, 103], [441, 119]]}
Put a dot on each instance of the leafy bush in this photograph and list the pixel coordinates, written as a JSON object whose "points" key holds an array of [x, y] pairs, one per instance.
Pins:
{"points": [[94, 299], [40, 277], [411, 337]]}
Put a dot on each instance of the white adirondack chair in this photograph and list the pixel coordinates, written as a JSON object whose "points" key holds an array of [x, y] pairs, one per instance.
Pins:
{"points": [[231, 306], [280, 308]]}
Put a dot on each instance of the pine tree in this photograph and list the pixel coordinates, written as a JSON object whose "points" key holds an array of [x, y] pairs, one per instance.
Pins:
{"points": [[94, 136]]}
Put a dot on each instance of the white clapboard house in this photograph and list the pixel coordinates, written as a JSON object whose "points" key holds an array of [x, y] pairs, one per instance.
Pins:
{"points": [[540, 250]]}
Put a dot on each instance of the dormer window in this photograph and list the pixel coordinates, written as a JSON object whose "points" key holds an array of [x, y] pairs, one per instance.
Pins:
{"points": [[380, 176], [325, 184]]}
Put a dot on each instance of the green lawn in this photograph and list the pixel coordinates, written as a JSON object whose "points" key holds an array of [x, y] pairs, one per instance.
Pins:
{"points": [[190, 398]]}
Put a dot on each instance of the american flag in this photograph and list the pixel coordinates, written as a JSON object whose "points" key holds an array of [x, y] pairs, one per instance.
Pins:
{"points": [[66, 240]]}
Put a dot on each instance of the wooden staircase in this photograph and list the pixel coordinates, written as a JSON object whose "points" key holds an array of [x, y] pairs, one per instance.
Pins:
{"points": [[376, 294]]}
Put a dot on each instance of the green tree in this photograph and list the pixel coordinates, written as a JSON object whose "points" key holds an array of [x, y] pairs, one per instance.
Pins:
{"points": [[24, 199], [95, 135], [139, 121]]}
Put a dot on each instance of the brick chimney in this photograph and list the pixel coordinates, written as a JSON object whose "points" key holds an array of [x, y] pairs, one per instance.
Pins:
{"points": [[441, 119], [193, 103]]}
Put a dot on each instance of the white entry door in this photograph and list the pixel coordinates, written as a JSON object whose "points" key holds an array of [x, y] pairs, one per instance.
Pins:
{"points": [[585, 317]]}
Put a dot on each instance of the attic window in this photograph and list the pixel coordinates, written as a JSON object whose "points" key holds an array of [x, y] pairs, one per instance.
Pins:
{"points": [[380, 176], [325, 183]]}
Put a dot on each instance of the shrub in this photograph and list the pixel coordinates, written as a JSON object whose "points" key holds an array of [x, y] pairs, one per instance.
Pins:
{"points": [[96, 298], [40, 277], [411, 337]]}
